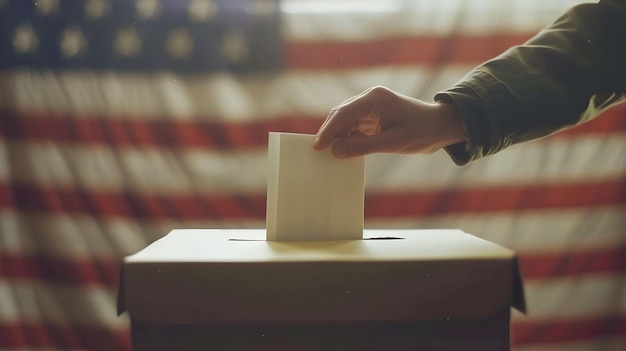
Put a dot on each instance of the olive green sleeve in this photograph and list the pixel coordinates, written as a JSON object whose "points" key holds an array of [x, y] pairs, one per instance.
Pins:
{"points": [[567, 74]]}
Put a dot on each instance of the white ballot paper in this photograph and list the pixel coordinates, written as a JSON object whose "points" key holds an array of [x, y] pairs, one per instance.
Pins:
{"points": [[312, 195]]}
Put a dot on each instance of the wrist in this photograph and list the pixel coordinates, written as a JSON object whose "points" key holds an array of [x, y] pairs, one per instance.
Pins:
{"points": [[452, 130]]}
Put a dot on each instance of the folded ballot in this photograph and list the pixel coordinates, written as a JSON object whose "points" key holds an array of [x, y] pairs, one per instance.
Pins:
{"points": [[312, 195]]}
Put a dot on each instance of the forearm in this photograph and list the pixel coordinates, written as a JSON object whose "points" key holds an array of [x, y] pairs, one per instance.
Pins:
{"points": [[563, 76]]}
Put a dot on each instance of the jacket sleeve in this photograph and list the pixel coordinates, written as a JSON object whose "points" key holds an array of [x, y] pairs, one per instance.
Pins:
{"points": [[567, 74]]}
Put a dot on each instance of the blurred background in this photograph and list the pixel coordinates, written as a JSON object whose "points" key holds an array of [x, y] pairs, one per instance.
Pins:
{"points": [[120, 120]]}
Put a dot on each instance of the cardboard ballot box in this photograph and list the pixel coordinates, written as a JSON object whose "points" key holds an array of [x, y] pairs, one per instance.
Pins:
{"points": [[393, 290]]}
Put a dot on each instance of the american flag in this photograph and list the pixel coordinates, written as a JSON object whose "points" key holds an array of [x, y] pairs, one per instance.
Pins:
{"points": [[123, 119]]}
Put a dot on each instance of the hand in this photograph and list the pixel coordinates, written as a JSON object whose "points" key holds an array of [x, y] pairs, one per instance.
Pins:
{"points": [[380, 120]]}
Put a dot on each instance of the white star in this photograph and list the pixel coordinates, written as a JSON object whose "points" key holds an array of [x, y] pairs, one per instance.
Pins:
{"points": [[179, 43], [46, 7], [96, 8], [73, 42], [235, 47], [147, 8], [201, 10], [24, 39], [127, 42]]}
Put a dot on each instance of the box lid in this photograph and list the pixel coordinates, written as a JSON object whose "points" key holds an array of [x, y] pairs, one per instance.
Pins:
{"points": [[236, 276]]}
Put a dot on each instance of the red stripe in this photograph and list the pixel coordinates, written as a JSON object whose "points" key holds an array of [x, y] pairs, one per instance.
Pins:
{"points": [[201, 133], [570, 330], [41, 335], [74, 271], [131, 205], [495, 199], [57, 271], [572, 263], [148, 132], [31, 198], [610, 121], [424, 50]]}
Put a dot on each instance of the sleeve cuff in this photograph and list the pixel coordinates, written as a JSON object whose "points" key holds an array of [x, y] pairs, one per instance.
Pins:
{"points": [[476, 98]]}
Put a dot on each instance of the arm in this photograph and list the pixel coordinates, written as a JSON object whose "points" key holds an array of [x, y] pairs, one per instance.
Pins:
{"points": [[565, 75]]}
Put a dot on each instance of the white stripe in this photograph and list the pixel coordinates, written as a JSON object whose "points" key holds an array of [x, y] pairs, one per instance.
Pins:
{"points": [[101, 168], [546, 161], [166, 171], [214, 97], [76, 236], [599, 344], [577, 297], [324, 20], [28, 301], [557, 230]]}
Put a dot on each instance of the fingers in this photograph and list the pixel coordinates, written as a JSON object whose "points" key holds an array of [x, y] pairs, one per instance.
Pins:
{"points": [[336, 125], [342, 120], [368, 125], [324, 134], [390, 142]]}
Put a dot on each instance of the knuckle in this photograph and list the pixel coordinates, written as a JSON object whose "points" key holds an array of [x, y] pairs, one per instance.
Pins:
{"points": [[381, 94], [380, 90]]}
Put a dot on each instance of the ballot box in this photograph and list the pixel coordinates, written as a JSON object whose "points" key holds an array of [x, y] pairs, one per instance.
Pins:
{"points": [[208, 289]]}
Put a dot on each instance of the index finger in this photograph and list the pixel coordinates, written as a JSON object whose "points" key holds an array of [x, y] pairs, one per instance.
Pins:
{"points": [[340, 121]]}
